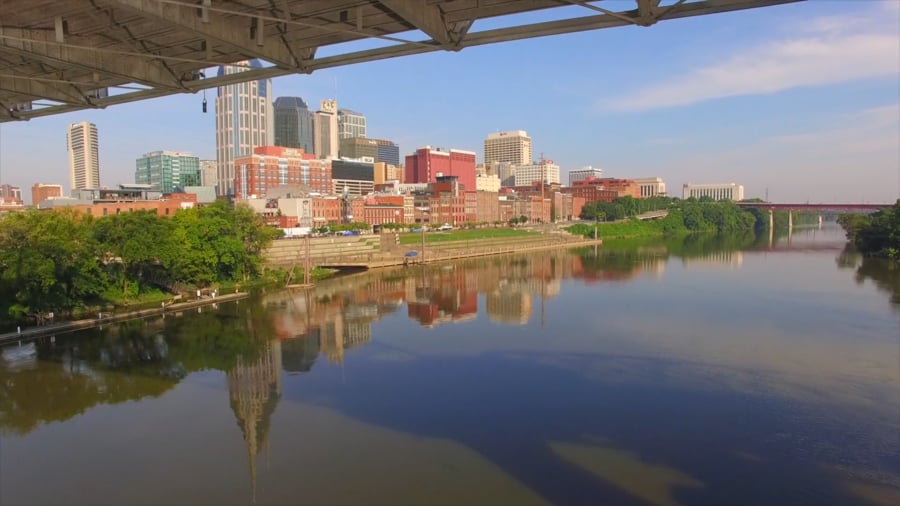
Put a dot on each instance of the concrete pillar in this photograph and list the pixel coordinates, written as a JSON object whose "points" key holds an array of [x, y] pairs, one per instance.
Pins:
{"points": [[790, 226], [771, 228], [820, 221]]}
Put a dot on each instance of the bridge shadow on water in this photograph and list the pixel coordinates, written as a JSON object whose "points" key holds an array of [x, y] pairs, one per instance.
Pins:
{"points": [[575, 439]]}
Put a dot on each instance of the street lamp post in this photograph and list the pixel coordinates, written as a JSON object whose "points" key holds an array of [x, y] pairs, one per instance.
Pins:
{"points": [[424, 214]]}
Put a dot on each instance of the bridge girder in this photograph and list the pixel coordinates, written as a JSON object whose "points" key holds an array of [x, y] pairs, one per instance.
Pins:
{"points": [[41, 45], [213, 25], [61, 50]]}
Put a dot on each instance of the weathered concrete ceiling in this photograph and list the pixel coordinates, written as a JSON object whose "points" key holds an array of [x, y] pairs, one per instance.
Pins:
{"points": [[64, 55]]}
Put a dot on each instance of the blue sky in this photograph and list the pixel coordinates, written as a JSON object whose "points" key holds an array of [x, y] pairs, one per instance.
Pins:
{"points": [[800, 99]]}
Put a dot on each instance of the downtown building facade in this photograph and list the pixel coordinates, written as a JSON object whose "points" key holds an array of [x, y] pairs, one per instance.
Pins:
{"points": [[11, 193], [584, 173], [350, 124], [651, 187], [427, 164], [208, 173], [721, 191], [547, 172], [293, 124], [512, 147], [270, 167], [326, 143], [43, 191], [244, 121], [168, 171], [83, 145], [379, 150]]}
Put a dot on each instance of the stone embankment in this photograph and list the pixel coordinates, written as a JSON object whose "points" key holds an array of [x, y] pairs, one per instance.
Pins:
{"points": [[372, 251]]}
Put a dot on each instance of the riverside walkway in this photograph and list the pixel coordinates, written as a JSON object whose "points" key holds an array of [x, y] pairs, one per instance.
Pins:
{"points": [[104, 318]]}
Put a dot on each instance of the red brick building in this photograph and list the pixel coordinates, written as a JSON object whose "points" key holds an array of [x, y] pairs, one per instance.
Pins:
{"points": [[271, 166], [567, 207], [327, 211], [427, 163], [41, 192], [603, 189], [167, 207]]}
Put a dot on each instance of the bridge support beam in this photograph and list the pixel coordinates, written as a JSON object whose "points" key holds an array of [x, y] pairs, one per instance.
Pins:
{"points": [[820, 221], [771, 228]]}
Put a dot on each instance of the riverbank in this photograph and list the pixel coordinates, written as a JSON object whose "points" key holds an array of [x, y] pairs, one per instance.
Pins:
{"points": [[626, 229], [455, 250], [105, 318]]}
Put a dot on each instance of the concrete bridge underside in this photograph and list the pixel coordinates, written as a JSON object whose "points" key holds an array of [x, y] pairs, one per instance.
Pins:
{"points": [[59, 56]]}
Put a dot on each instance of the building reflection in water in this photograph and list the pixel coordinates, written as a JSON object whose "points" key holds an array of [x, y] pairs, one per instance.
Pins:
{"points": [[732, 259], [254, 388]]}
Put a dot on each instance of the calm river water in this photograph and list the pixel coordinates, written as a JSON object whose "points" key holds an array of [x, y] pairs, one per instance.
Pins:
{"points": [[701, 371]]}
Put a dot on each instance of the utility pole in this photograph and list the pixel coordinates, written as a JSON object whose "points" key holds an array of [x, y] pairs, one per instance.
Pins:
{"points": [[308, 267]]}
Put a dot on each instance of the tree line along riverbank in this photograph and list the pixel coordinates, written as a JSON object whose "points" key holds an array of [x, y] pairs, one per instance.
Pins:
{"points": [[66, 262], [876, 234], [684, 217]]}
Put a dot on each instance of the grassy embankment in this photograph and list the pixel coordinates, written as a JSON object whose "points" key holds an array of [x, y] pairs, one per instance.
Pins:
{"points": [[465, 235]]}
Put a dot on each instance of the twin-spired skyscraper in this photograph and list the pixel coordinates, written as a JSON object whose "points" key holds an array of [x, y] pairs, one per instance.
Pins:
{"points": [[83, 146], [244, 120]]}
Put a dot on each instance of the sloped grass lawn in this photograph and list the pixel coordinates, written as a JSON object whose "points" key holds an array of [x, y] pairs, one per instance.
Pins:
{"points": [[465, 235]]}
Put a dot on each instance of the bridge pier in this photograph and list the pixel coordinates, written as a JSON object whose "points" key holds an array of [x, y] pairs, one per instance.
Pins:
{"points": [[820, 221], [771, 228], [790, 226]]}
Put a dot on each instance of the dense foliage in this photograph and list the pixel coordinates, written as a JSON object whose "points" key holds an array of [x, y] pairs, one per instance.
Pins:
{"points": [[624, 207], [685, 216], [62, 260], [876, 234]]}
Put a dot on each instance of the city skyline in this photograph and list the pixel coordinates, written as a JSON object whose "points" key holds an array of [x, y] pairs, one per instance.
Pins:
{"points": [[754, 99]]}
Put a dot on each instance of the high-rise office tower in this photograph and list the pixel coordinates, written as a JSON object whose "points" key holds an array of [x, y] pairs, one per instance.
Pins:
{"points": [[293, 124], [351, 124], [84, 155], [325, 137], [244, 120], [167, 170], [512, 147]]}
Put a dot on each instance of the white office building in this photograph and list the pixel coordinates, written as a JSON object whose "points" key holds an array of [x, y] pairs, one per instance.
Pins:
{"points": [[84, 155], [244, 121], [512, 147], [487, 183], [724, 191], [547, 172], [584, 173], [651, 187]]}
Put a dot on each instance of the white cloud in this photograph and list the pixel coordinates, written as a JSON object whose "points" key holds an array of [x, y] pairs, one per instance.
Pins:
{"points": [[824, 51]]}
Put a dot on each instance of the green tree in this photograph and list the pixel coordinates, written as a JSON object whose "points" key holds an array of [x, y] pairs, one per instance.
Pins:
{"points": [[136, 249]]}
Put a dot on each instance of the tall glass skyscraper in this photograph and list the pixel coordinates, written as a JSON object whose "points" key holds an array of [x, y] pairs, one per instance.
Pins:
{"points": [[244, 120], [167, 170], [293, 124]]}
